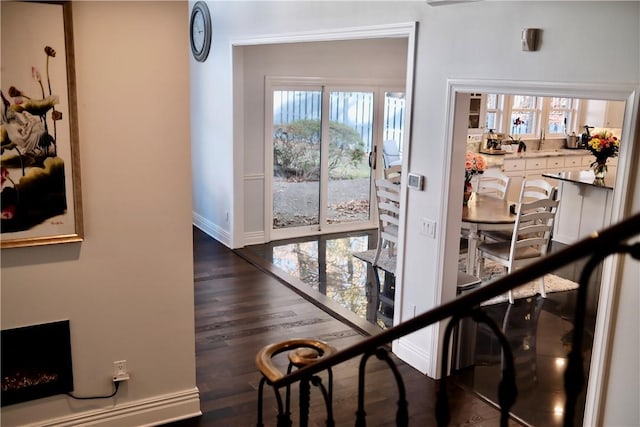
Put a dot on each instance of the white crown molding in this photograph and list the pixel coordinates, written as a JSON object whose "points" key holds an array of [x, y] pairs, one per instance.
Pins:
{"points": [[366, 32], [448, 2]]}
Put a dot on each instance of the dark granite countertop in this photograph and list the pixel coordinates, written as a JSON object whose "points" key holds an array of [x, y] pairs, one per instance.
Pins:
{"points": [[585, 177]]}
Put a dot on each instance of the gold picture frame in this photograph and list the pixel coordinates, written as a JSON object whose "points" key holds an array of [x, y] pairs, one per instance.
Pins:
{"points": [[40, 199]]}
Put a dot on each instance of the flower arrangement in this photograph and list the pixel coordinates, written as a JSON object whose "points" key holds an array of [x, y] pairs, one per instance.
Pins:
{"points": [[517, 124], [603, 145], [474, 164]]}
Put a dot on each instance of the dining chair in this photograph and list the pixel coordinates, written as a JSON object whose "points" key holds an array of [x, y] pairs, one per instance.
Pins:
{"points": [[529, 240], [393, 173], [391, 153], [493, 183], [531, 189], [535, 189], [388, 201]]}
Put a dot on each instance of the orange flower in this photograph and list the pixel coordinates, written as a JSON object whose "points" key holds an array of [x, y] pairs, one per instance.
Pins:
{"points": [[474, 164]]}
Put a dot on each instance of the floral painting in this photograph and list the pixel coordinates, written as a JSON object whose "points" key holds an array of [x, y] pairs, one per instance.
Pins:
{"points": [[39, 168]]}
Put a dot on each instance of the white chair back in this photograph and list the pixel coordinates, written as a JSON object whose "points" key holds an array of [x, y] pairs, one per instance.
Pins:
{"points": [[388, 199], [533, 227], [531, 233], [493, 183], [393, 173], [536, 189], [391, 153]]}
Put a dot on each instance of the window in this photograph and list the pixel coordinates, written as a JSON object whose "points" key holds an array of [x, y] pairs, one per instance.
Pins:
{"points": [[493, 116], [524, 112], [541, 117], [559, 114]]}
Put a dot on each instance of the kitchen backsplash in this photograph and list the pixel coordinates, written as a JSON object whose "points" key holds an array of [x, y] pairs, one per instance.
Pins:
{"points": [[547, 144]]}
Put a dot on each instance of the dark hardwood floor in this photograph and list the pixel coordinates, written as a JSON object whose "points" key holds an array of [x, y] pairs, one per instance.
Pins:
{"points": [[239, 308]]}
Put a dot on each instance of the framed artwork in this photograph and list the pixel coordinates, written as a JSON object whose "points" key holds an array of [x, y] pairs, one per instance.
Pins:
{"points": [[40, 197]]}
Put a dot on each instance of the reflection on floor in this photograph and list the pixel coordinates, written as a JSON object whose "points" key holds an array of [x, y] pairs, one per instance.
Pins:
{"points": [[326, 264], [538, 329]]}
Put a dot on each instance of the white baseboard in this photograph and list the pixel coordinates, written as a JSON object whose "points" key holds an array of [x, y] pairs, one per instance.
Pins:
{"points": [[148, 412], [412, 355], [254, 238], [212, 229]]}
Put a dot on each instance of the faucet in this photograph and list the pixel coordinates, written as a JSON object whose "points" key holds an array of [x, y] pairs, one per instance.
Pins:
{"points": [[541, 140]]}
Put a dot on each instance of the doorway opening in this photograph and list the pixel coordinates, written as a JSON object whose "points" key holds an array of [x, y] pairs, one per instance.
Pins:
{"points": [[461, 92]]}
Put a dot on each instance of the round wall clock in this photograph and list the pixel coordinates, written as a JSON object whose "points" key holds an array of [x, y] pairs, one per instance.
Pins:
{"points": [[200, 31]]}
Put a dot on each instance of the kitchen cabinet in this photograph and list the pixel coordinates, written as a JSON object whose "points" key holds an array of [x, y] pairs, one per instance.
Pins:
{"points": [[612, 163], [573, 163], [584, 207], [554, 164], [514, 169], [477, 111], [604, 114], [520, 169]]}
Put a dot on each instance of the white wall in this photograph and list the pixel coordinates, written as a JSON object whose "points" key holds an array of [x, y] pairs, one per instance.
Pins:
{"points": [[621, 397], [478, 40], [127, 289]]}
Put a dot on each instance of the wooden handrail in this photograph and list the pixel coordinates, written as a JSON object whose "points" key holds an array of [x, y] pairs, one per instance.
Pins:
{"points": [[598, 243]]}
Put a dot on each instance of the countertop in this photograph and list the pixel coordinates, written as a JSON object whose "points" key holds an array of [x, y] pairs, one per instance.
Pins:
{"points": [[584, 178], [497, 160], [547, 153]]}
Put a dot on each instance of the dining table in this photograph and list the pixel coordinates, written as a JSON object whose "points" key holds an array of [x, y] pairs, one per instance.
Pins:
{"points": [[484, 212]]}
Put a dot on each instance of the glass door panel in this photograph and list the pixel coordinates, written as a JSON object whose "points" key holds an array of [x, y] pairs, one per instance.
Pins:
{"points": [[393, 128], [296, 158], [348, 171]]}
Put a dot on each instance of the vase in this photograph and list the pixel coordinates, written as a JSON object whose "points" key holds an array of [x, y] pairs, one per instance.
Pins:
{"points": [[468, 191], [467, 196], [600, 170]]}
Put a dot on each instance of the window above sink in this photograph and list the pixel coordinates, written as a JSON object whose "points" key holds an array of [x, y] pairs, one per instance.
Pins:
{"points": [[538, 118]]}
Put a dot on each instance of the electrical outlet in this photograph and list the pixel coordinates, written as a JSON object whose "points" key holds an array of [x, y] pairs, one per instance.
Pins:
{"points": [[120, 371]]}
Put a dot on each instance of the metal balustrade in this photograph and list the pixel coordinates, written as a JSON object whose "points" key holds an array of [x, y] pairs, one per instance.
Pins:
{"points": [[613, 240]]}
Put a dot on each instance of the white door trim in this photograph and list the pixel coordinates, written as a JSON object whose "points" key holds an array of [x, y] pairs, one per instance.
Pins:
{"points": [[406, 29]]}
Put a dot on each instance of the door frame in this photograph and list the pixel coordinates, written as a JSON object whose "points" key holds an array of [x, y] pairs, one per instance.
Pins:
{"points": [[406, 30], [458, 91]]}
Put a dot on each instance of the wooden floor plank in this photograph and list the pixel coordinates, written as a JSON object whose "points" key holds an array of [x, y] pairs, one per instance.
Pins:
{"points": [[240, 308]]}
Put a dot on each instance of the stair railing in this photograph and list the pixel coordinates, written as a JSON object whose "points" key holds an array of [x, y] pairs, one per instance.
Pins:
{"points": [[600, 245]]}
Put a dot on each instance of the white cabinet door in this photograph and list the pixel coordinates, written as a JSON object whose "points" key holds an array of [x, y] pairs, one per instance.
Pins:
{"points": [[514, 169], [555, 164], [534, 168], [514, 165], [604, 114], [583, 209], [515, 184], [614, 115], [586, 162], [573, 163]]}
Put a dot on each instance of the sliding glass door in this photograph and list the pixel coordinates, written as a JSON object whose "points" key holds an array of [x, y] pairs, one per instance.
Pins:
{"points": [[321, 138], [297, 144]]}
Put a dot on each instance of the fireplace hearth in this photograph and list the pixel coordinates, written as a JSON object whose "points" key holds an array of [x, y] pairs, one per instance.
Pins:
{"points": [[36, 362]]}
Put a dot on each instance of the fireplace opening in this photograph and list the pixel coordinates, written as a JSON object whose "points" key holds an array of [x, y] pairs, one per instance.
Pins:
{"points": [[36, 362]]}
